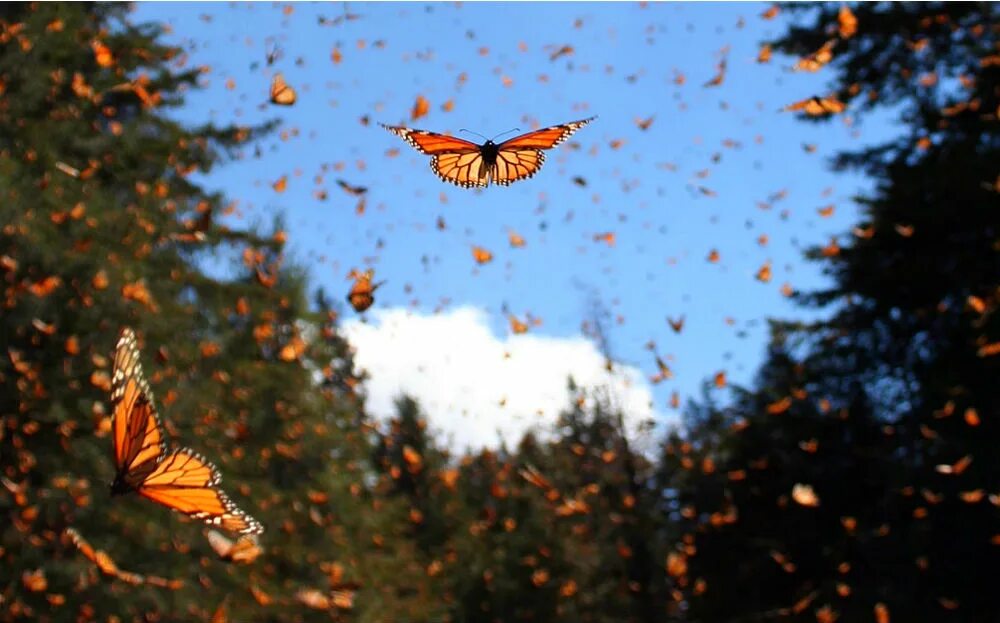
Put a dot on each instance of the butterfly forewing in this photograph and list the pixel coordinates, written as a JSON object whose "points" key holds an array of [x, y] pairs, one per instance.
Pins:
{"points": [[182, 480], [188, 483], [432, 143], [138, 433], [546, 138]]}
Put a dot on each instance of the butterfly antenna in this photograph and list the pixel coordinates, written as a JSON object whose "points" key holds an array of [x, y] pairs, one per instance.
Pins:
{"points": [[507, 132], [476, 133]]}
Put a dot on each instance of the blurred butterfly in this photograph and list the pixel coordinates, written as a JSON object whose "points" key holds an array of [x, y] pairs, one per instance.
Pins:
{"points": [[466, 164], [676, 325], [352, 190], [481, 255], [245, 549], [102, 53], [281, 93], [361, 295], [516, 325], [180, 479], [817, 106], [644, 123], [273, 54], [109, 567]]}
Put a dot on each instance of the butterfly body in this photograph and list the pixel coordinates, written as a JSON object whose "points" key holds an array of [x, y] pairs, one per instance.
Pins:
{"points": [[469, 165], [177, 478], [121, 484]]}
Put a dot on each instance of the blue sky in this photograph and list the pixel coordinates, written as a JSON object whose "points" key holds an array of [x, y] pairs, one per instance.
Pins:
{"points": [[642, 185]]}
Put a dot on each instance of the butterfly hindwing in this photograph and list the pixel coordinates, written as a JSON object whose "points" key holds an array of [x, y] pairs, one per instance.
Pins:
{"points": [[461, 169], [512, 165], [188, 483]]}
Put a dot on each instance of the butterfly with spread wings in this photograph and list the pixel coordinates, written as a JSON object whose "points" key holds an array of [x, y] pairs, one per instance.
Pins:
{"points": [[177, 478], [466, 164]]}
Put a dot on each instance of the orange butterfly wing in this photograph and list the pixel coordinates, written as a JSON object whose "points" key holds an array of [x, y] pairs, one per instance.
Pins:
{"points": [[244, 549], [432, 143], [137, 432], [546, 138], [521, 157], [514, 165], [455, 160], [182, 480], [109, 567], [188, 483], [465, 170]]}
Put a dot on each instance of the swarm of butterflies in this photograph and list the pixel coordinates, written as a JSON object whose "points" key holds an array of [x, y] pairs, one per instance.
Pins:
{"points": [[185, 481]]}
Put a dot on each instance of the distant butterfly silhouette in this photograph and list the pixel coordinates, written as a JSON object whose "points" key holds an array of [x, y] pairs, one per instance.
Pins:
{"points": [[180, 479], [466, 164]]}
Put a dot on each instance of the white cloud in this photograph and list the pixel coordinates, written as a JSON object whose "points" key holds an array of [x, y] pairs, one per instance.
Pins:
{"points": [[460, 372]]}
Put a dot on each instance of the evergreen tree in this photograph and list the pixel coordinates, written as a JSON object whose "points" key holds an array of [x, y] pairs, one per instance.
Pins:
{"points": [[559, 529], [886, 414], [103, 227]]}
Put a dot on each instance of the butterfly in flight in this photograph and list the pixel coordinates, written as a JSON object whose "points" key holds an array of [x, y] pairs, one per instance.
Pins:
{"points": [[243, 550], [361, 296], [178, 478], [282, 93], [466, 164], [109, 567]]}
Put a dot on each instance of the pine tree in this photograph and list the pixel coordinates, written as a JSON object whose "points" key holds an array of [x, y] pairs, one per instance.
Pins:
{"points": [[886, 413], [103, 227], [559, 529]]}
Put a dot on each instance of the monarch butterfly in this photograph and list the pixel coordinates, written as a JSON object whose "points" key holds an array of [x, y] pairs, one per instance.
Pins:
{"points": [[676, 325], [481, 255], [663, 372], [516, 325], [466, 164], [361, 296], [108, 566], [516, 239], [343, 600], [102, 54], [357, 191], [281, 93], [180, 479], [817, 106], [244, 549]]}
